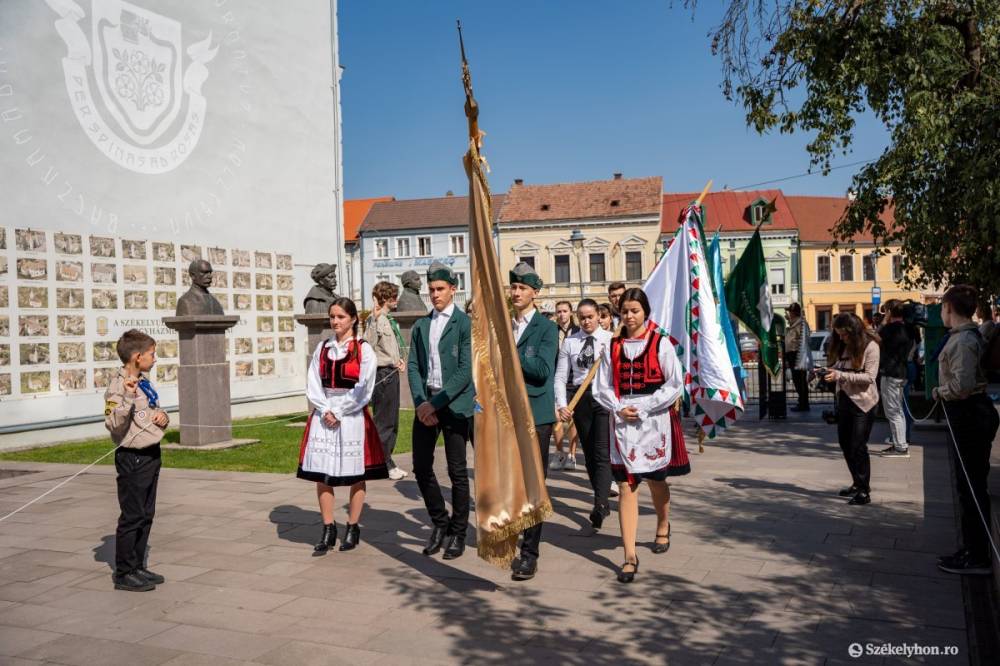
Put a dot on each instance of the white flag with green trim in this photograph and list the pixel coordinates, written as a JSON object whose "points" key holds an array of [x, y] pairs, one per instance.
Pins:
{"points": [[683, 305]]}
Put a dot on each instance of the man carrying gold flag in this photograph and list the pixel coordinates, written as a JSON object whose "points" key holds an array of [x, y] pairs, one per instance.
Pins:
{"points": [[509, 481]]}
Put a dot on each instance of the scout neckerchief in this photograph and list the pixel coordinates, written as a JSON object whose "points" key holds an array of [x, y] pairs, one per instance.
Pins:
{"points": [[395, 331], [151, 394]]}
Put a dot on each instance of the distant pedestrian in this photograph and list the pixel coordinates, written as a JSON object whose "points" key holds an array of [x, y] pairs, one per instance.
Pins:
{"points": [[133, 416], [974, 422], [894, 351], [797, 355], [383, 334], [615, 291], [606, 317], [855, 348], [566, 460]]}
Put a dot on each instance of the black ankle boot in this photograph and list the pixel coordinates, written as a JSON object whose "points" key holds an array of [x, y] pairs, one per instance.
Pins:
{"points": [[327, 540], [352, 537]]}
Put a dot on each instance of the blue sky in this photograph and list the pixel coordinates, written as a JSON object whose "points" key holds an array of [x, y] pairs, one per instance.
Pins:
{"points": [[568, 91]]}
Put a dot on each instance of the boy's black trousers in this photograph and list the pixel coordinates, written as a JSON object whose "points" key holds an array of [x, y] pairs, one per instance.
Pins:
{"points": [[138, 473]]}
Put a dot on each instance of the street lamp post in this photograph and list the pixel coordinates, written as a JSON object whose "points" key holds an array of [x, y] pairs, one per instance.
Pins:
{"points": [[576, 238]]}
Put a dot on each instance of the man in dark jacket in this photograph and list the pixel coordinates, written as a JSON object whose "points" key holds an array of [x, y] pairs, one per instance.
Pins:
{"points": [[895, 350]]}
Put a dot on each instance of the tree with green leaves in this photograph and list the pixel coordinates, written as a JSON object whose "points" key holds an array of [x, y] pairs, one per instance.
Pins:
{"points": [[930, 72]]}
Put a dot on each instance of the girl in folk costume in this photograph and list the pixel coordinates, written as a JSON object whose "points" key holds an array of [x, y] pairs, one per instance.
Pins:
{"points": [[341, 446], [638, 382]]}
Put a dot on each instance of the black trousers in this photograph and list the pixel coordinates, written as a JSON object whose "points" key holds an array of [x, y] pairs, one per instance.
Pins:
{"points": [[853, 429], [974, 421], [385, 409], [138, 474], [455, 430], [532, 537], [593, 426], [800, 379]]}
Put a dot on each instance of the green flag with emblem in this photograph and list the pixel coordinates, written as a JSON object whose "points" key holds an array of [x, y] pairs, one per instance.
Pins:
{"points": [[748, 296]]}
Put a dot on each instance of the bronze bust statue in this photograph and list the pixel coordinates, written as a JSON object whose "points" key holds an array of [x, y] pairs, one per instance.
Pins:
{"points": [[197, 300], [409, 300], [322, 294]]}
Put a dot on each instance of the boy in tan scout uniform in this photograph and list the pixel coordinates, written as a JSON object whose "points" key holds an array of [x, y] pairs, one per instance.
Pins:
{"points": [[133, 416]]}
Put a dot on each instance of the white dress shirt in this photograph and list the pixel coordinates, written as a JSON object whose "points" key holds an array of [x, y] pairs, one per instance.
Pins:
{"points": [[568, 371], [521, 323], [439, 319]]}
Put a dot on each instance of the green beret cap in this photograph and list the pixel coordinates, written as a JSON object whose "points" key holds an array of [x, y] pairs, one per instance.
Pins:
{"points": [[525, 274], [439, 271]]}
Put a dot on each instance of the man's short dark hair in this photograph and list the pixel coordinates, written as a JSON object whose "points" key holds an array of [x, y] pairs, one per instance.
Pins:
{"points": [[896, 310], [795, 309], [615, 286], [133, 342], [963, 299]]}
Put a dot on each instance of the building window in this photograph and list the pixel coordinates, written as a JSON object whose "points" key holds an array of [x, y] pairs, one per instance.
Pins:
{"points": [[381, 248], [824, 317], [732, 262], [457, 242], [402, 247], [461, 281], [424, 246], [846, 268], [562, 268], [633, 265], [776, 276], [868, 267], [597, 267], [897, 268], [527, 260], [823, 268]]}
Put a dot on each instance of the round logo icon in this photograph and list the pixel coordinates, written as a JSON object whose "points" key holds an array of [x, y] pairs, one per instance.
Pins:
{"points": [[854, 649]]}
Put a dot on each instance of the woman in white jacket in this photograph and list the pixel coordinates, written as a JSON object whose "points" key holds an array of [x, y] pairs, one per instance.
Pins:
{"points": [[341, 446], [638, 382]]}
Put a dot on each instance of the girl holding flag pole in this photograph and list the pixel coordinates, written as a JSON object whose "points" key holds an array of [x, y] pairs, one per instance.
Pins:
{"points": [[638, 382]]}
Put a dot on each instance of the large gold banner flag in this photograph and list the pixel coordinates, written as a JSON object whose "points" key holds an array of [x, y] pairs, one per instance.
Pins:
{"points": [[510, 486]]}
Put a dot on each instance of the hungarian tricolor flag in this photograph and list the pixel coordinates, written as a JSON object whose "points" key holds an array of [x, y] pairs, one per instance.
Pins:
{"points": [[684, 307]]}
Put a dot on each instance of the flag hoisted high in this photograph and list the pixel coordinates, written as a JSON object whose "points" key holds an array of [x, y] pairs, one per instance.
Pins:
{"points": [[748, 296], [732, 346], [684, 308], [509, 484]]}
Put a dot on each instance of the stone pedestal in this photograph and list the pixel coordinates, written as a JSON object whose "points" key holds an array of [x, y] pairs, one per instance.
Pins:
{"points": [[406, 321], [203, 378]]}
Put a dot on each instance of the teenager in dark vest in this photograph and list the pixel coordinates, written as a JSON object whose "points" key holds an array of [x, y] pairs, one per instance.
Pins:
{"points": [[639, 380], [341, 446], [439, 370], [578, 352], [537, 341]]}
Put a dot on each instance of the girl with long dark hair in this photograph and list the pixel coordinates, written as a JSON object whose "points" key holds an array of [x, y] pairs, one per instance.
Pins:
{"points": [[638, 382], [341, 446], [855, 349]]}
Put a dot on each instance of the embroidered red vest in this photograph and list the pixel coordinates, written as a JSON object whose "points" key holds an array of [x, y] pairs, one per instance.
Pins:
{"points": [[343, 373], [641, 375]]}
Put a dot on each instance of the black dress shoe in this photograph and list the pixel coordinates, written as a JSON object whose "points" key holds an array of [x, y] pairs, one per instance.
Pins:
{"points": [[861, 498], [455, 548], [849, 491], [662, 547], [352, 537], [154, 578], [133, 582], [435, 542], [524, 568], [628, 576], [326, 540], [598, 515]]}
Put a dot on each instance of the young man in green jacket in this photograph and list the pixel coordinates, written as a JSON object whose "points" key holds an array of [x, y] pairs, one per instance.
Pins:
{"points": [[537, 341], [439, 370]]}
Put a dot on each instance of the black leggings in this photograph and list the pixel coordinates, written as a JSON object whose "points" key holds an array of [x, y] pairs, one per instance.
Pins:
{"points": [[853, 429]]}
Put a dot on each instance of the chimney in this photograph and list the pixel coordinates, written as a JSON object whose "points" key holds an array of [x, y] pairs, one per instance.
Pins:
{"points": [[618, 176], [519, 181]]}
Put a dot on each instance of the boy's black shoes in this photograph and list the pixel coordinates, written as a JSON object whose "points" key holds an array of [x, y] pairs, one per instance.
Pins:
{"points": [[965, 564], [524, 568], [154, 578], [133, 582], [849, 491]]}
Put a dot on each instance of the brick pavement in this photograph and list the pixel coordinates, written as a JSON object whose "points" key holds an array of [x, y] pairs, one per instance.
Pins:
{"points": [[767, 565]]}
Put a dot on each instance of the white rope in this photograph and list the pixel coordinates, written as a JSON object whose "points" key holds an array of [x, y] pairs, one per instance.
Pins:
{"points": [[906, 406], [979, 509], [60, 485]]}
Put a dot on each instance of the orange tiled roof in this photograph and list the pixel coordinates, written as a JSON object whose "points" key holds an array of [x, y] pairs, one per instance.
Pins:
{"points": [[406, 214], [816, 216], [355, 211], [619, 197], [729, 209]]}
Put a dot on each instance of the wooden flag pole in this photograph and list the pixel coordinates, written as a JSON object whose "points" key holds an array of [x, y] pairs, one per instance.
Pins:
{"points": [[701, 432], [701, 197], [557, 433]]}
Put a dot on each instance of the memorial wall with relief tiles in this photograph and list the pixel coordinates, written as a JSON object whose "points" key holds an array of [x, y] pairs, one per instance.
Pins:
{"points": [[65, 298]]}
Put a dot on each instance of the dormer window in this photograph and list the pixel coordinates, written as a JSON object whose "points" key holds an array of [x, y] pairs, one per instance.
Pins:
{"points": [[761, 212]]}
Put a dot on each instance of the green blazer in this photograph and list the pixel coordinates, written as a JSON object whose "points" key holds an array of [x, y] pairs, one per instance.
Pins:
{"points": [[538, 349], [455, 350]]}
